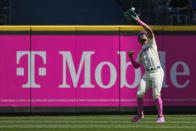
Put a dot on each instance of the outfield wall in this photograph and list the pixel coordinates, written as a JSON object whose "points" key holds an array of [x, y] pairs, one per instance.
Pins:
{"points": [[86, 68]]}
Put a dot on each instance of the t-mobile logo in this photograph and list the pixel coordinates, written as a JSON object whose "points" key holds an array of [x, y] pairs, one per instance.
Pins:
{"points": [[31, 67]]}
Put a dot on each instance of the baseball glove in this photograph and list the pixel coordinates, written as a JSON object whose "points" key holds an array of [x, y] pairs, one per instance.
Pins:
{"points": [[130, 15]]}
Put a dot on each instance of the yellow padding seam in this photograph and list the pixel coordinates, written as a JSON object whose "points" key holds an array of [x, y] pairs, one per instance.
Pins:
{"points": [[95, 28], [14, 28]]}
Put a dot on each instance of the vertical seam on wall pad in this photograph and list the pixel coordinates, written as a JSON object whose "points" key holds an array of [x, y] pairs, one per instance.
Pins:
{"points": [[30, 33], [119, 66]]}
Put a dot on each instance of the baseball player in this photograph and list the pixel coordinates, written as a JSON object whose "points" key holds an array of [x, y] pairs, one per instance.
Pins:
{"points": [[153, 76]]}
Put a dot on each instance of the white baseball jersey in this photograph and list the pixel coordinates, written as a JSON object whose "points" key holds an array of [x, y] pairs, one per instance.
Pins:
{"points": [[148, 56]]}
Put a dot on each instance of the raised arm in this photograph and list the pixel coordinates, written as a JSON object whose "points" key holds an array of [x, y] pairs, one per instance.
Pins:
{"points": [[146, 27]]}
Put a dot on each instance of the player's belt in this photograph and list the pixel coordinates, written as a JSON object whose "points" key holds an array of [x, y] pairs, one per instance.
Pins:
{"points": [[153, 69]]}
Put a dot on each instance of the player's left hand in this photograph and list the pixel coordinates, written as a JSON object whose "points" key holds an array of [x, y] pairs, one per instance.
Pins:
{"points": [[137, 18]]}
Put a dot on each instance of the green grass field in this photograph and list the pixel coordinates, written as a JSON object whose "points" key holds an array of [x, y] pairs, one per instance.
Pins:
{"points": [[96, 123]]}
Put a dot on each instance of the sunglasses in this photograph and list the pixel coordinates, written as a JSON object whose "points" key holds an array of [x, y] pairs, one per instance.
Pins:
{"points": [[142, 35]]}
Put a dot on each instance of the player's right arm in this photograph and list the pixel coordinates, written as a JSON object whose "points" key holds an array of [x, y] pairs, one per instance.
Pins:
{"points": [[134, 63]]}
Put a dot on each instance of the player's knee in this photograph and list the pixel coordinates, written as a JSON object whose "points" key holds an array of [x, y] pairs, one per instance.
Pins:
{"points": [[140, 95], [156, 95]]}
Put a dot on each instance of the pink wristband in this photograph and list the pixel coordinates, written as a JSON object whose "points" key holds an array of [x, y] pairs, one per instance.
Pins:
{"points": [[141, 22]]}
